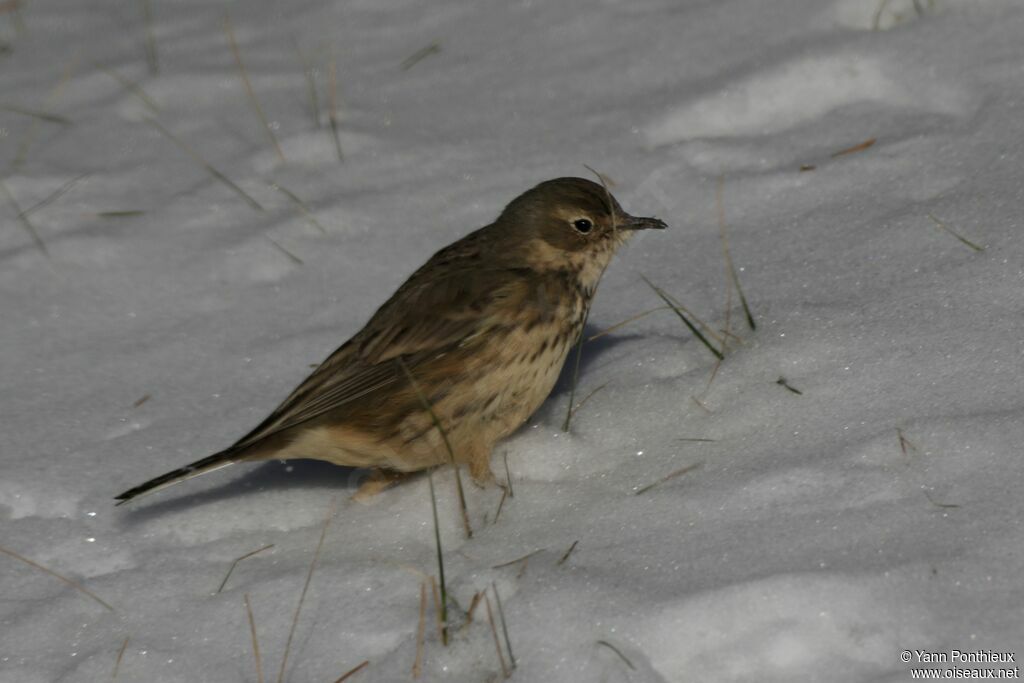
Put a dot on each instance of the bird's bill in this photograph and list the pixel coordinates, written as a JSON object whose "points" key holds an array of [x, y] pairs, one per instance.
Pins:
{"points": [[637, 223]]}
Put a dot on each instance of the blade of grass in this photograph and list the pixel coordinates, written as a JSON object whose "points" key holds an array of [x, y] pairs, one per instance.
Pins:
{"points": [[627, 321], [494, 634], [720, 205], [120, 656], [303, 209], [74, 584], [119, 214], [291, 257], [616, 650], [668, 477], [255, 640], [36, 114], [859, 147], [421, 54], [443, 612], [504, 626], [518, 559], [237, 559], [206, 165], [352, 672], [332, 103], [24, 221], [52, 98], [447, 444], [508, 476], [588, 397], [686, 321], [54, 196], [567, 553], [230, 32], [305, 588], [501, 504], [421, 629], [152, 60], [964, 240], [307, 71], [132, 87]]}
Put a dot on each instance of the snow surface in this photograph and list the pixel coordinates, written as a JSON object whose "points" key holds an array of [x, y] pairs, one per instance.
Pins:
{"points": [[807, 545]]}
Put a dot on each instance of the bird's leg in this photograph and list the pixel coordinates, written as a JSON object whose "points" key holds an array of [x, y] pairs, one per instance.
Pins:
{"points": [[378, 481], [480, 467]]}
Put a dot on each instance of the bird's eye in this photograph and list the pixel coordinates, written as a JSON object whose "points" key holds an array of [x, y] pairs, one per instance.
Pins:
{"points": [[582, 225]]}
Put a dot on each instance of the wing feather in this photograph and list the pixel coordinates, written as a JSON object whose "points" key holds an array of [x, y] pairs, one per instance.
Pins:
{"points": [[430, 315]]}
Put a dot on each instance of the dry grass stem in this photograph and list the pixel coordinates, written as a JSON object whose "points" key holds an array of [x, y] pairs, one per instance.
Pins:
{"points": [[720, 205], [504, 626], [701, 405], [51, 100], [131, 86], [567, 553], [142, 400], [74, 584], [301, 205], [937, 504], [443, 598], [441, 616], [964, 240], [206, 165], [501, 504], [36, 114], [518, 559], [668, 477], [120, 214], [255, 640], [291, 257], [24, 221], [588, 397], [473, 604], [55, 195], [627, 321], [905, 443], [575, 373], [860, 147], [447, 444], [307, 71], [352, 672], [152, 60], [494, 634], [238, 559], [421, 54], [332, 105], [618, 652], [120, 656], [421, 629], [508, 476], [784, 383], [229, 31], [697, 333], [305, 588]]}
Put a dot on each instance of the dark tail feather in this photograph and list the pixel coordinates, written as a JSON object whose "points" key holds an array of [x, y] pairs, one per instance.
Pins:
{"points": [[207, 464]]}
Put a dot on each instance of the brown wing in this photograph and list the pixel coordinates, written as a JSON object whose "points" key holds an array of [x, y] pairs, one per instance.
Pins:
{"points": [[433, 313]]}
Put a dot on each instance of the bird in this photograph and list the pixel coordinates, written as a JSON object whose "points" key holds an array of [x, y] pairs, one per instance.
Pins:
{"points": [[461, 354]]}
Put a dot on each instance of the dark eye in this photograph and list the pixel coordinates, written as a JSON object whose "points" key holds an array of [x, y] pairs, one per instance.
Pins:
{"points": [[582, 225]]}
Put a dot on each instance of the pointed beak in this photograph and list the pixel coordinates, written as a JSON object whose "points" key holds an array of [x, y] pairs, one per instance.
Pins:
{"points": [[635, 223]]}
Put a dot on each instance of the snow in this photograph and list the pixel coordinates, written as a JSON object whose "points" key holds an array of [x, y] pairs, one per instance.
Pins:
{"points": [[807, 545]]}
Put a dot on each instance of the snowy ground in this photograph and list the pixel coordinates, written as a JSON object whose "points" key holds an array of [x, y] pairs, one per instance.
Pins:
{"points": [[807, 546]]}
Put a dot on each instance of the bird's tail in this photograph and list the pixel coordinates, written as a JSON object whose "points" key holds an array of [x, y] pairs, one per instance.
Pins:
{"points": [[207, 464]]}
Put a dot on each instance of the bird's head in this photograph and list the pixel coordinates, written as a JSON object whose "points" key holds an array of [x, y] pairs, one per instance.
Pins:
{"points": [[570, 222]]}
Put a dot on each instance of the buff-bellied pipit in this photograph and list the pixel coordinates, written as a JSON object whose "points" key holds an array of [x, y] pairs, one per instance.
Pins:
{"points": [[475, 338]]}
